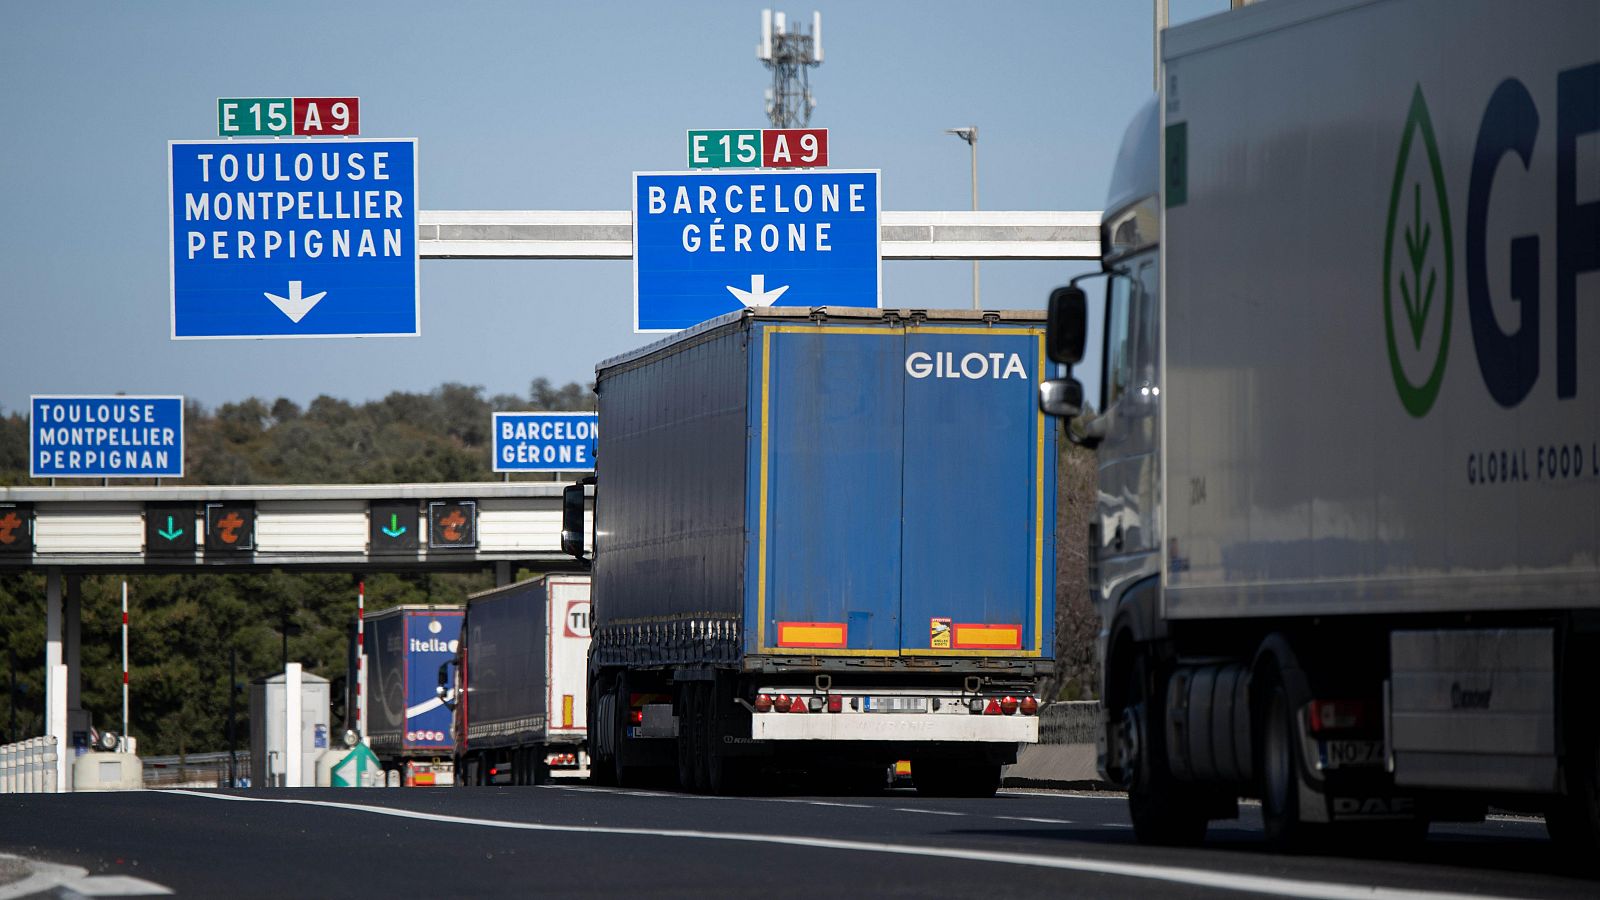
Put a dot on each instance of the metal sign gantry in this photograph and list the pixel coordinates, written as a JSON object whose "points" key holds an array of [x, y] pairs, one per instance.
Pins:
{"points": [[608, 234]]}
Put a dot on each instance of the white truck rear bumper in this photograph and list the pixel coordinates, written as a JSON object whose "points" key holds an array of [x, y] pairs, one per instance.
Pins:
{"points": [[891, 727]]}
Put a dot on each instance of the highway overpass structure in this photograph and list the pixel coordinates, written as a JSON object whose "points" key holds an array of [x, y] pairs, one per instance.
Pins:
{"points": [[94, 529]]}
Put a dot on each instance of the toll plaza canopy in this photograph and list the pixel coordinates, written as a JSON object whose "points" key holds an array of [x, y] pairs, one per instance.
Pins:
{"points": [[393, 527]]}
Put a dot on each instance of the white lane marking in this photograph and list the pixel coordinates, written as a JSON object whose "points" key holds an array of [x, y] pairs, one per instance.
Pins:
{"points": [[76, 880], [805, 802], [115, 886], [1035, 819], [1230, 881], [926, 812], [801, 800]]}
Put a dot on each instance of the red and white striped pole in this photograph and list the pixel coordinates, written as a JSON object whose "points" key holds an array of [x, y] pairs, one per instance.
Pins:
{"points": [[124, 747], [361, 661]]}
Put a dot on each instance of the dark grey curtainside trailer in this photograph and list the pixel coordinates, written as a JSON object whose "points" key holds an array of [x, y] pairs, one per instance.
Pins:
{"points": [[824, 539], [517, 690]]}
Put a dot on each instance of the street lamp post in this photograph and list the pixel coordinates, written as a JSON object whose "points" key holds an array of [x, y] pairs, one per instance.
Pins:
{"points": [[970, 135]]}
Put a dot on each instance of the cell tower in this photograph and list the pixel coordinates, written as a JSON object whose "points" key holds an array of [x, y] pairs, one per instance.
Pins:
{"points": [[789, 53]]}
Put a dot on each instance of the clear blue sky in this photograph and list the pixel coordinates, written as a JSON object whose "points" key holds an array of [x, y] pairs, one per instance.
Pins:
{"points": [[515, 106]]}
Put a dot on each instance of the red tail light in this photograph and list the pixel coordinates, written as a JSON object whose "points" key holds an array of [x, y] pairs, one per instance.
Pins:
{"points": [[493, 771], [636, 717], [763, 703], [1334, 715], [835, 703], [781, 703], [1029, 706], [1008, 705], [992, 708]]}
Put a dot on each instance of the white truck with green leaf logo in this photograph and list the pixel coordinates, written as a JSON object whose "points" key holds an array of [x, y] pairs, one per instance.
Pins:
{"points": [[1348, 537]]}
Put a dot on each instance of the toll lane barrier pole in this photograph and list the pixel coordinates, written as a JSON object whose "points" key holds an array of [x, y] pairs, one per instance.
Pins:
{"points": [[28, 767]]}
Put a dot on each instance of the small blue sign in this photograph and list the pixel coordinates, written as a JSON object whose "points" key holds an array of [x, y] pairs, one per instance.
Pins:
{"points": [[294, 239], [710, 243], [106, 436], [545, 441]]}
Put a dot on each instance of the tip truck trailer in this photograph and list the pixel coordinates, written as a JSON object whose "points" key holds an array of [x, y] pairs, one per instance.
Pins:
{"points": [[1348, 537], [517, 686], [409, 725], [824, 543]]}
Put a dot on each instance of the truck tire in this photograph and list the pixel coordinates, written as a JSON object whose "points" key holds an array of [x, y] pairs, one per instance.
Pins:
{"points": [[700, 730], [685, 742], [621, 775], [936, 777], [538, 765], [726, 773], [1280, 771], [1164, 811], [1573, 821]]}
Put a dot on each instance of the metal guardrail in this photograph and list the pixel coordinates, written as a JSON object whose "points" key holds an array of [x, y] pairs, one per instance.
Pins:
{"points": [[194, 769], [1069, 723], [28, 767]]}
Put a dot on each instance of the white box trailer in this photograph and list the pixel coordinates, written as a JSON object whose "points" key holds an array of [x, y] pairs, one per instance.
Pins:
{"points": [[1348, 538]]}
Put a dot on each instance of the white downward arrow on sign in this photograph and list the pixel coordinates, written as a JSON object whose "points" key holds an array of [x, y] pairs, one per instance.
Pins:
{"points": [[758, 295], [295, 306]]}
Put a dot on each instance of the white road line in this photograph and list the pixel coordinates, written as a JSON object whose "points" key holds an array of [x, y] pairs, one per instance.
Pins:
{"points": [[1035, 819], [927, 812], [76, 881], [1230, 881], [805, 802]]}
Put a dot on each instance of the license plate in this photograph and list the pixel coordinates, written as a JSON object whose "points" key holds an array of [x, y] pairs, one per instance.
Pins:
{"points": [[895, 705], [1351, 754]]}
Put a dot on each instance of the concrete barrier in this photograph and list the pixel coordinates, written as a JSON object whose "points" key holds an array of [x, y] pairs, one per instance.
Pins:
{"points": [[28, 767], [1065, 756]]}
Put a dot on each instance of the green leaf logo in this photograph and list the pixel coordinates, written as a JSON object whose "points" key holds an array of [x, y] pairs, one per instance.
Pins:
{"points": [[1416, 281]]}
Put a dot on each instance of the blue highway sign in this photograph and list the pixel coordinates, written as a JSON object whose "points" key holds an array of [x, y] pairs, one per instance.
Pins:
{"points": [[545, 441], [291, 239], [105, 436], [709, 243]]}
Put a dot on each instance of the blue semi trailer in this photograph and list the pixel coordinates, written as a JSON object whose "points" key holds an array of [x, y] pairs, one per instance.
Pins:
{"points": [[408, 725], [823, 539]]}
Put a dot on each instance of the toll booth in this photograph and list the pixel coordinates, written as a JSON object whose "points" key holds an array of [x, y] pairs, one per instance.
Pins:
{"points": [[273, 717]]}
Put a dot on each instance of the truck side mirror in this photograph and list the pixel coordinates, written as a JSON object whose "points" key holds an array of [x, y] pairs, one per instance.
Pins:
{"points": [[443, 689], [1061, 397], [1068, 324], [572, 520]]}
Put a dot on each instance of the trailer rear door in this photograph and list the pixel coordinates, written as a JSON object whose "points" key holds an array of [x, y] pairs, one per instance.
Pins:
{"points": [[826, 489], [978, 516]]}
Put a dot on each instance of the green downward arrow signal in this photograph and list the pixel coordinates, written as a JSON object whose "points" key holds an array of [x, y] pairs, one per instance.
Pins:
{"points": [[395, 529], [170, 533]]}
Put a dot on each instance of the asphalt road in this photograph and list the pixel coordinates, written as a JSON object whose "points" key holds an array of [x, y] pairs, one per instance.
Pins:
{"points": [[581, 841]]}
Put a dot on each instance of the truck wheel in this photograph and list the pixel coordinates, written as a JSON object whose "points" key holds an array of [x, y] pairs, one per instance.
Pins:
{"points": [[621, 775], [702, 736], [1573, 821], [538, 765], [1280, 772], [1163, 810], [726, 773], [685, 741]]}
